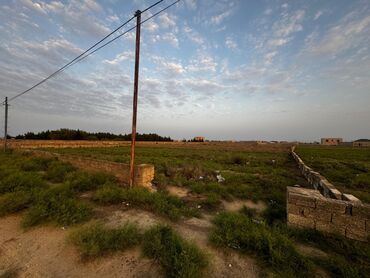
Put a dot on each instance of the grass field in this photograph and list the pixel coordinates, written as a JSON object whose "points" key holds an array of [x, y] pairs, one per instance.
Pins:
{"points": [[49, 191], [348, 168]]}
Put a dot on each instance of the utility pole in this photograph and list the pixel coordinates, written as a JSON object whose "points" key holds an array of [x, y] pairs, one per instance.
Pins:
{"points": [[6, 123], [136, 84]]}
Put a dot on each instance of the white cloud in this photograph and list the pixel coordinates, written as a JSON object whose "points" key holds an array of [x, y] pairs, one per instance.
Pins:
{"points": [[230, 43], [317, 15], [217, 19], [126, 55], [167, 20]]}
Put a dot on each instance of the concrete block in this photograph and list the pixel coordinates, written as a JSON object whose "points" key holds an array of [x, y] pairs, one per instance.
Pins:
{"points": [[335, 193], [357, 234], [301, 221], [327, 204], [344, 220], [361, 210], [294, 209], [350, 198], [316, 214], [302, 200], [329, 228]]}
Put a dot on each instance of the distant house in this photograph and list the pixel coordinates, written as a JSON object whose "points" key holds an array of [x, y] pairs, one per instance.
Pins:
{"points": [[331, 141], [198, 139], [361, 143]]}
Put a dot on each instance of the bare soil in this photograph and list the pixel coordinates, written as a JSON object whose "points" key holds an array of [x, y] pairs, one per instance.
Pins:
{"points": [[45, 252]]}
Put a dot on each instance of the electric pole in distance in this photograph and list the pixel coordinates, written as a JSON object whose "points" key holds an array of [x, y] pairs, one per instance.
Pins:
{"points": [[136, 84], [6, 123]]}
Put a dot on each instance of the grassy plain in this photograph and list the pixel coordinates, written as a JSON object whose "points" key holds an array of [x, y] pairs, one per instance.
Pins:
{"points": [[49, 191], [348, 168]]}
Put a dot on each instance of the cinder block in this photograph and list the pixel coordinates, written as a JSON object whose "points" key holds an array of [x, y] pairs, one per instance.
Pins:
{"points": [[294, 209], [350, 198], [302, 200], [301, 221], [329, 228], [316, 214], [344, 220], [327, 204], [356, 234], [361, 210], [335, 193]]}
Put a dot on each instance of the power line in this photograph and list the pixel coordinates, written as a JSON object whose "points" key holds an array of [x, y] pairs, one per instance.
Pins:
{"points": [[79, 56], [124, 33]]}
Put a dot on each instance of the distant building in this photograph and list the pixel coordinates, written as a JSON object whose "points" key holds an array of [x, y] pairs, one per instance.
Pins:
{"points": [[198, 139], [361, 143], [331, 141]]}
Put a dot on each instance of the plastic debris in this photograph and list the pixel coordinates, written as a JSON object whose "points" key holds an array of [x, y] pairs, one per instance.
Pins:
{"points": [[220, 178]]}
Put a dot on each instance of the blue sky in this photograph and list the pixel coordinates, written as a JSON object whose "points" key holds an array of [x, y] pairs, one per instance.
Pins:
{"points": [[241, 70]]}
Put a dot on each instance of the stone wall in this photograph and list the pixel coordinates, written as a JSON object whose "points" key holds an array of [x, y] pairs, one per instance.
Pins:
{"points": [[144, 173], [325, 208], [308, 208]]}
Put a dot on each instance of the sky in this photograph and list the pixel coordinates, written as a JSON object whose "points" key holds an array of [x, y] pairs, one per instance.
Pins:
{"points": [[226, 70]]}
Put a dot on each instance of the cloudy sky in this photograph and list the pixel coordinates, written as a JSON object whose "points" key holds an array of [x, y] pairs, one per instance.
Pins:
{"points": [[242, 70]]}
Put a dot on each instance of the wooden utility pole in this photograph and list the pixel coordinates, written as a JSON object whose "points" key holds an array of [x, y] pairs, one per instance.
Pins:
{"points": [[6, 124], [136, 84]]}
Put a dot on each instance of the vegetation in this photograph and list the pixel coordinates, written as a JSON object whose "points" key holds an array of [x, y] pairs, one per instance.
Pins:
{"points": [[348, 168], [70, 134], [239, 232], [178, 257], [96, 240], [58, 205], [158, 202]]}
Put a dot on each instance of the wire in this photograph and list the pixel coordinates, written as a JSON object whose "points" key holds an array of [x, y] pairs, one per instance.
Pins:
{"points": [[79, 56], [124, 33]]}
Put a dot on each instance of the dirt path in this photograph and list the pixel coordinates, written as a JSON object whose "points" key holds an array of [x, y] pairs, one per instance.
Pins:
{"points": [[45, 252]]}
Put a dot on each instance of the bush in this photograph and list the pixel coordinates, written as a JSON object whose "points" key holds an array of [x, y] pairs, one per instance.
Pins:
{"points": [[84, 181], [158, 202], [96, 240], [178, 257], [57, 171], [274, 248], [56, 204], [14, 201], [21, 181]]}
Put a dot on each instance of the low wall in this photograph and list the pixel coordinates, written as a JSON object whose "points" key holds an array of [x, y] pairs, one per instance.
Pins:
{"points": [[325, 208], [308, 208], [144, 173]]}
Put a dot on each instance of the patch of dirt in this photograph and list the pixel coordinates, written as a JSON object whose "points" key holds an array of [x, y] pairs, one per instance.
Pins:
{"points": [[45, 252], [237, 205], [178, 191], [311, 251]]}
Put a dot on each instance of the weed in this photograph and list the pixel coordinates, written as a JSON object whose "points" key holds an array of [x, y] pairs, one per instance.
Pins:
{"points": [[56, 204], [14, 201], [178, 257], [58, 170], [276, 250], [96, 240], [158, 202], [21, 181], [35, 164], [84, 181]]}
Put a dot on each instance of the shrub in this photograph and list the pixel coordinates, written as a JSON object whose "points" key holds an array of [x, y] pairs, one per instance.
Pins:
{"points": [[58, 170], [56, 204], [84, 181], [275, 212], [178, 257], [159, 202], [14, 201], [271, 246], [96, 240], [21, 181]]}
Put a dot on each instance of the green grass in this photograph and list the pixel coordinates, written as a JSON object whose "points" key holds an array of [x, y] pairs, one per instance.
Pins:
{"points": [[57, 205], [178, 257], [274, 249], [158, 202], [348, 258], [14, 201], [84, 181], [96, 240], [57, 171], [21, 181], [348, 168]]}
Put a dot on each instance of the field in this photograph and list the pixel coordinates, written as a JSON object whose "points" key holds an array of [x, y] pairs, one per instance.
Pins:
{"points": [[219, 211], [348, 168]]}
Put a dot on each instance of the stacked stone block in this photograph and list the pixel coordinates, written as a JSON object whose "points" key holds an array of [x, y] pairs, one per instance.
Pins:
{"points": [[308, 208], [144, 173]]}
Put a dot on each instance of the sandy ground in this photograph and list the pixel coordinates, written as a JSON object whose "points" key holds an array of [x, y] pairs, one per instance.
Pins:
{"points": [[45, 252]]}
